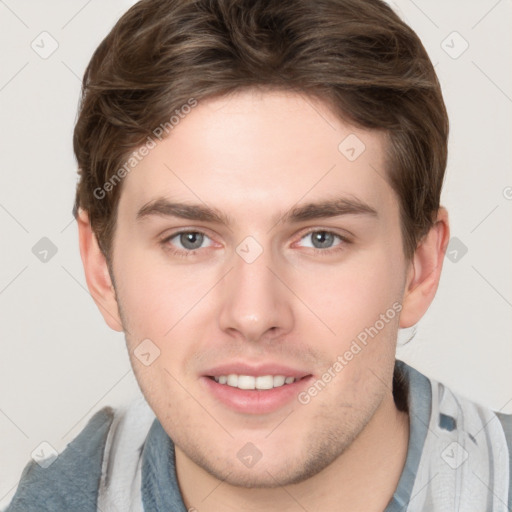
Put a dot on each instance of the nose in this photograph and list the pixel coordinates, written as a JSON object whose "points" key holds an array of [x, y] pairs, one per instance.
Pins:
{"points": [[256, 305]]}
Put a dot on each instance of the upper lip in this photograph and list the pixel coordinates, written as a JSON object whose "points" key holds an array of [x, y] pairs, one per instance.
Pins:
{"points": [[255, 370]]}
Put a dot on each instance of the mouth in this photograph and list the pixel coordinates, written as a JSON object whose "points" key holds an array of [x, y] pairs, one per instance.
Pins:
{"points": [[255, 394], [260, 382]]}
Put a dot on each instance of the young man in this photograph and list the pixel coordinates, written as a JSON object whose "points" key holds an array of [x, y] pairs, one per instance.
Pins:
{"points": [[258, 212]]}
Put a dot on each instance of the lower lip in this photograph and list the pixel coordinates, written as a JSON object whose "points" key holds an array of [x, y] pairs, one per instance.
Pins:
{"points": [[255, 401]]}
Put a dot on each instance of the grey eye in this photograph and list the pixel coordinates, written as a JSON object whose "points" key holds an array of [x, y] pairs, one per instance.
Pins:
{"points": [[322, 239], [191, 240]]}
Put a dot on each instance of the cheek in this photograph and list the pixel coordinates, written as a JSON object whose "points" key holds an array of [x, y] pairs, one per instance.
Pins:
{"points": [[351, 297], [154, 295]]}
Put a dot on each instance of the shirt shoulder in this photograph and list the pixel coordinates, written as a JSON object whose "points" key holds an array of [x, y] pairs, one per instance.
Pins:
{"points": [[71, 481], [506, 423], [466, 446]]}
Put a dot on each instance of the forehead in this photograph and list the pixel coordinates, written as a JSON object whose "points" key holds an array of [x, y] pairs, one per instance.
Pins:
{"points": [[261, 151]]}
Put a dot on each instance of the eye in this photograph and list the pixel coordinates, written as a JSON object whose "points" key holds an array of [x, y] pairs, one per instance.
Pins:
{"points": [[188, 240], [322, 239]]}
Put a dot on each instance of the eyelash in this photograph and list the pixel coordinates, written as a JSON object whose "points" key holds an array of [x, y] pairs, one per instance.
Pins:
{"points": [[322, 252]]}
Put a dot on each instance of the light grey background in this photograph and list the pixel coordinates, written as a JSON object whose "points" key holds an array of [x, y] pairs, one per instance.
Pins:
{"points": [[60, 363]]}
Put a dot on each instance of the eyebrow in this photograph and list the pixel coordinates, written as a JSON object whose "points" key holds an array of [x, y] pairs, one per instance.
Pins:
{"points": [[309, 211]]}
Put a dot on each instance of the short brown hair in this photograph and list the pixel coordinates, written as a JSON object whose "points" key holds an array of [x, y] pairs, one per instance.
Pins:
{"points": [[357, 56]]}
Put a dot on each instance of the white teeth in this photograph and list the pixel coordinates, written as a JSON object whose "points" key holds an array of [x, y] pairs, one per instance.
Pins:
{"points": [[250, 382], [279, 380], [265, 382], [246, 382]]}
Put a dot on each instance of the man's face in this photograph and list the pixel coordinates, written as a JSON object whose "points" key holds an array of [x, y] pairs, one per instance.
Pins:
{"points": [[280, 290]]}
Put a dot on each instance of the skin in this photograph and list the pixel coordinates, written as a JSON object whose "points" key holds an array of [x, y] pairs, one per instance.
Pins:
{"points": [[254, 156]]}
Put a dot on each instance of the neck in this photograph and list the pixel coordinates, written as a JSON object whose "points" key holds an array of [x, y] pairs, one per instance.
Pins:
{"points": [[374, 461]]}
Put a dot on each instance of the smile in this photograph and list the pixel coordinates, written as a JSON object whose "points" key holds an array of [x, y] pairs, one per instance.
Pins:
{"points": [[251, 382]]}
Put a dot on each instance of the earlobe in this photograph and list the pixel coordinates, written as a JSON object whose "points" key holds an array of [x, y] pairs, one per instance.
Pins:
{"points": [[96, 273], [425, 271]]}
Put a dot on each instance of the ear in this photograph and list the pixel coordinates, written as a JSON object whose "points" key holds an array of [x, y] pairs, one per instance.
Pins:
{"points": [[425, 271], [96, 273]]}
